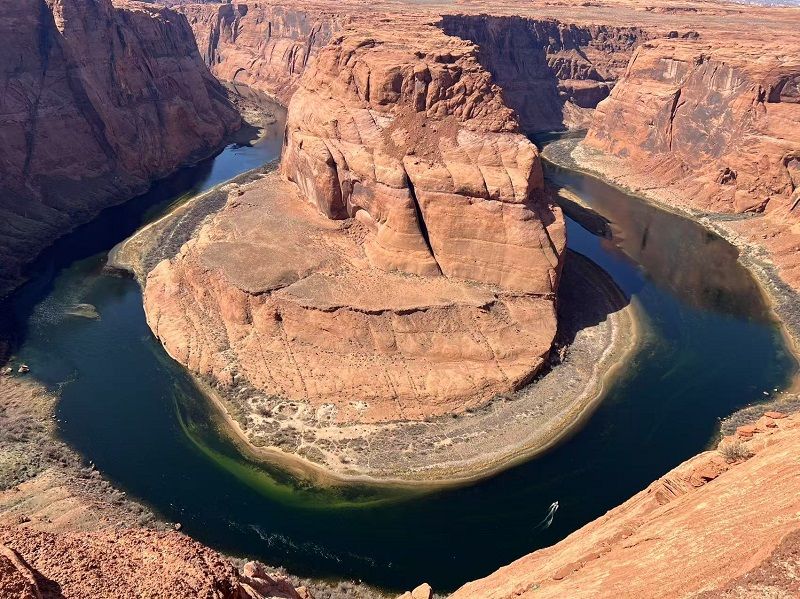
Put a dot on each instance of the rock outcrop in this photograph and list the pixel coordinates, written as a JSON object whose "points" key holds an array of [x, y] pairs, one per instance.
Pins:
{"points": [[713, 127], [97, 101], [552, 73], [265, 46], [723, 524], [126, 563], [411, 273]]}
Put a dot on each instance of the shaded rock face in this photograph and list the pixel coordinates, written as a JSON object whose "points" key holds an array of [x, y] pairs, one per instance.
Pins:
{"points": [[551, 73], [126, 563], [717, 126], [410, 272], [98, 100], [729, 520], [266, 47]]}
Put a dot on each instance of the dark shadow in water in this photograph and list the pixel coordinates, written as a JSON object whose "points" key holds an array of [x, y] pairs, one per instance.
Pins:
{"points": [[578, 310], [675, 253]]}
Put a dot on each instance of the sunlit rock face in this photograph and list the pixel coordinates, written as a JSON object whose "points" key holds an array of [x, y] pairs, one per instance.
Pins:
{"points": [[264, 46], [408, 268], [715, 124], [553, 73]]}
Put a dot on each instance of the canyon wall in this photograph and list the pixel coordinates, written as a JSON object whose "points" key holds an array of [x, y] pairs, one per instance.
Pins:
{"points": [[265, 46], [409, 272], [552, 73], [713, 127], [98, 100], [723, 524]]}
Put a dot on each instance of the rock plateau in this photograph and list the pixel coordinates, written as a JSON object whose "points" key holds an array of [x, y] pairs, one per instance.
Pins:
{"points": [[410, 273]]}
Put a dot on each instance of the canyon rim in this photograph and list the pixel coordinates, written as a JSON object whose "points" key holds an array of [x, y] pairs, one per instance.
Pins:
{"points": [[396, 301]]}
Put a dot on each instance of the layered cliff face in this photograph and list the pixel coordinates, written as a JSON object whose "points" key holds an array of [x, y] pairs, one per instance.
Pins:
{"points": [[723, 524], [410, 273], [716, 128], [264, 46], [98, 100], [421, 149], [552, 73]]}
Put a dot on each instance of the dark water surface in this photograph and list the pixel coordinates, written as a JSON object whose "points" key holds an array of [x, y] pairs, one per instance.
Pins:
{"points": [[709, 348]]}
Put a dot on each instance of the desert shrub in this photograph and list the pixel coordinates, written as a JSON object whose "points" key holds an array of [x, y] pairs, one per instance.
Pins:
{"points": [[735, 451]]}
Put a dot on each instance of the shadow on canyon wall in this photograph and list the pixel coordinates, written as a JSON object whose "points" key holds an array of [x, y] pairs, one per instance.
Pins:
{"points": [[551, 73]]}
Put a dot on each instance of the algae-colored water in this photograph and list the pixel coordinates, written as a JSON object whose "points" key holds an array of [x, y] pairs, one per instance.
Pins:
{"points": [[710, 348]]}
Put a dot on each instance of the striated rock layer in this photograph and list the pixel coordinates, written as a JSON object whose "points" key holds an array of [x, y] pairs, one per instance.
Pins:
{"points": [[715, 526], [713, 127], [265, 46], [410, 273], [552, 73], [97, 101]]}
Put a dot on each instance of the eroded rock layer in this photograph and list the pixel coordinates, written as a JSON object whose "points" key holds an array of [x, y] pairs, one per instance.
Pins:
{"points": [[714, 127], [727, 521], [126, 563], [412, 270], [265, 46], [552, 73], [97, 101], [273, 294]]}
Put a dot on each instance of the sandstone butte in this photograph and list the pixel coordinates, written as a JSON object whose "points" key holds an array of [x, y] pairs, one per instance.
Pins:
{"points": [[410, 272], [704, 113], [98, 100]]}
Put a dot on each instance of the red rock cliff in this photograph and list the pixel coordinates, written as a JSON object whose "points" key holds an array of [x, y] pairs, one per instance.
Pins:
{"points": [[264, 46], [712, 527], [97, 101], [715, 126], [410, 272], [419, 145], [552, 73]]}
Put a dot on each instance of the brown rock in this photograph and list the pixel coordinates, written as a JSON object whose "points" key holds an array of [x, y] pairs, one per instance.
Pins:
{"points": [[124, 84], [713, 126], [17, 580], [264, 46], [274, 290], [746, 431], [308, 301], [775, 415], [423, 591]]}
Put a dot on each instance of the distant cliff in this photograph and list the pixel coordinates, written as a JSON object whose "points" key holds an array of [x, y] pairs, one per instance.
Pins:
{"points": [[97, 101], [552, 73], [712, 126], [266, 47]]}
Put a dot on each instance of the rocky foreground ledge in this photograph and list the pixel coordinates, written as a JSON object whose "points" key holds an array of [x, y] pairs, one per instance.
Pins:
{"points": [[726, 523]]}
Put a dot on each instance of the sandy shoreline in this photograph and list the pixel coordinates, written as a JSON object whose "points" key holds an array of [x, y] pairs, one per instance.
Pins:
{"points": [[443, 451]]}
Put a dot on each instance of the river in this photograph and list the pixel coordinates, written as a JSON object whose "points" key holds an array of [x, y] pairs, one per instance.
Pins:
{"points": [[709, 346]]}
